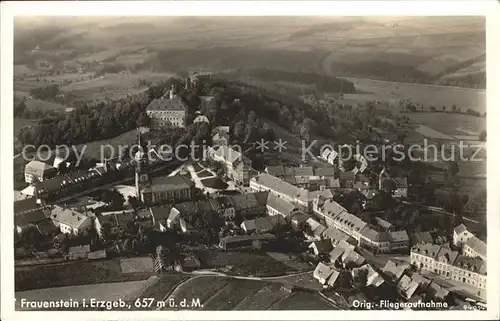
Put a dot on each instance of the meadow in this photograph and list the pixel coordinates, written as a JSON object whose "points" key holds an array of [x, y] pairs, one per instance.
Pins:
{"points": [[427, 95], [455, 125], [113, 86], [219, 293]]}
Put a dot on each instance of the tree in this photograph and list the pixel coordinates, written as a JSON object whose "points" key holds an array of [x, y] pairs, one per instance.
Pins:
{"points": [[454, 108], [444, 108]]}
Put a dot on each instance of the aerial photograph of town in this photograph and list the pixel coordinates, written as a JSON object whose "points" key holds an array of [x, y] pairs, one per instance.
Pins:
{"points": [[249, 163]]}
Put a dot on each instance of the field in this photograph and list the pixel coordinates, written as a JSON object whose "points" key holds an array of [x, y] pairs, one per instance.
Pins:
{"points": [[431, 133], [165, 283], [113, 86], [245, 263], [451, 124], [93, 149], [137, 265], [428, 95], [219, 293], [107, 292], [36, 104], [302, 301], [73, 273]]}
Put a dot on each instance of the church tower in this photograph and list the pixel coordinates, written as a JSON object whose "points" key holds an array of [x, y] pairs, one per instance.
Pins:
{"points": [[141, 175]]}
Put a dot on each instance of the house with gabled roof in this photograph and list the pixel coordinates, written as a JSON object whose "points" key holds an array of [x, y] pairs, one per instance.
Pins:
{"points": [[351, 257], [316, 229], [325, 274], [406, 287], [461, 235], [372, 277], [70, 221], [278, 206], [395, 271], [471, 271], [474, 247], [37, 171], [262, 225], [321, 247], [421, 238], [336, 236]]}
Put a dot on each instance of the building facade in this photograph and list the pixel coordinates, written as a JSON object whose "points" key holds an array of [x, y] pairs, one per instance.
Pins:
{"points": [[167, 111]]}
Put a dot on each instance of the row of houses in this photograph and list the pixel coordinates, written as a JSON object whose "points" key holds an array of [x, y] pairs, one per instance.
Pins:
{"points": [[314, 178], [322, 206], [450, 264], [408, 283], [373, 238]]}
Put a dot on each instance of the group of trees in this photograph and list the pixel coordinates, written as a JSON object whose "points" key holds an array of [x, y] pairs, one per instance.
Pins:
{"points": [[94, 121], [412, 107], [47, 93], [22, 111]]}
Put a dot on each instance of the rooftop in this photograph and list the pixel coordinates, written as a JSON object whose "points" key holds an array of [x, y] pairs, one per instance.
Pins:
{"points": [[281, 186], [460, 228], [280, 204], [26, 205], [66, 216], [421, 237], [477, 245], [399, 236], [473, 264], [323, 246], [37, 168], [427, 249], [335, 235], [374, 236], [351, 221], [170, 183], [28, 218], [166, 104], [228, 154], [395, 270]]}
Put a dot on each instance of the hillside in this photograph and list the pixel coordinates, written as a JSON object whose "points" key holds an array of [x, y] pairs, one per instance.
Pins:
{"points": [[414, 49]]}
